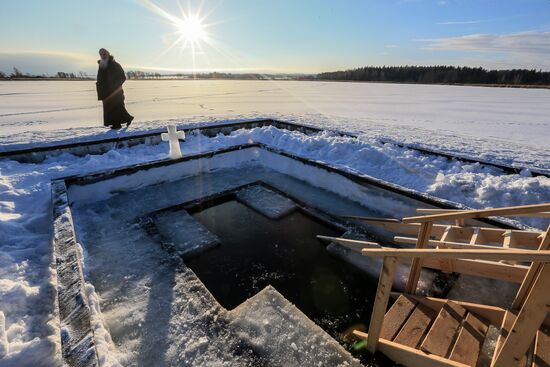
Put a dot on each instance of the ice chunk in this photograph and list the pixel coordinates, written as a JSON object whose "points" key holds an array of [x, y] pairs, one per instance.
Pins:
{"points": [[188, 236], [279, 332], [266, 201]]}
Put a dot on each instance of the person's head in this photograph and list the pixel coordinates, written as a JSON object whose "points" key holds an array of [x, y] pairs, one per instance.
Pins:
{"points": [[104, 54]]}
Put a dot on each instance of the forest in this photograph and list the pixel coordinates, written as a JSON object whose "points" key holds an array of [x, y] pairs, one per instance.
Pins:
{"points": [[440, 75]]}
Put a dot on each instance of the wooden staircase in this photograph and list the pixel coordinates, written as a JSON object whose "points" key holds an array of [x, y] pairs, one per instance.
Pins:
{"points": [[454, 331], [421, 331]]}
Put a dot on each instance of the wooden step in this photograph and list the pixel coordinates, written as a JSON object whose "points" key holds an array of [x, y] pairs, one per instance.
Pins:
{"points": [[396, 317], [541, 358], [442, 334], [414, 329], [470, 340]]}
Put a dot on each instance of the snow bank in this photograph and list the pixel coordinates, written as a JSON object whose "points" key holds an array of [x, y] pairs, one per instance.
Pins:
{"points": [[470, 185]]}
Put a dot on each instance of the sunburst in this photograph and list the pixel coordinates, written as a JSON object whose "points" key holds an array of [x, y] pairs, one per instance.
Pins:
{"points": [[190, 27]]}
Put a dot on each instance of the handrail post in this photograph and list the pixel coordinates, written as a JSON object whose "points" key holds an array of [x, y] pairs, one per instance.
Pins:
{"points": [[532, 274], [383, 291], [529, 319], [416, 266]]}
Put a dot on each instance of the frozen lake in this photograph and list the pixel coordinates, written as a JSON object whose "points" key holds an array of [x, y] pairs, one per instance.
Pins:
{"points": [[509, 125]]}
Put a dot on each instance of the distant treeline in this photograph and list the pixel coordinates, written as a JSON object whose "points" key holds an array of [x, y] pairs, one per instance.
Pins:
{"points": [[18, 74], [441, 75], [211, 75]]}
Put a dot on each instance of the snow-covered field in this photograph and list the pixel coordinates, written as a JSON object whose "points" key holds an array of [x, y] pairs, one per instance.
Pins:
{"points": [[505, 125]]}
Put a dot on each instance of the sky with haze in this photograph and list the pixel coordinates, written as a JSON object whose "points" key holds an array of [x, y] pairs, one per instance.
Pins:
{"points": [[283, 36]]}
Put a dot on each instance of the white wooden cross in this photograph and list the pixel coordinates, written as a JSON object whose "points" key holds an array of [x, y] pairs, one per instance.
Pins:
{"points": [[173, 137]]}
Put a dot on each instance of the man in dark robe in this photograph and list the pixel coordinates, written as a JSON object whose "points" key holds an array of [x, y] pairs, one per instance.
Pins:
{"points": [[110, 77]]}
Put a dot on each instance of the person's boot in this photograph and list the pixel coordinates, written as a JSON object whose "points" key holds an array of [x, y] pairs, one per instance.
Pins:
{"points": [[129, 122], [116, 126]]}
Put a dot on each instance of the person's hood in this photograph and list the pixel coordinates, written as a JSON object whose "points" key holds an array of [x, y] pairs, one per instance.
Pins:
{"points": [[111, 58]]}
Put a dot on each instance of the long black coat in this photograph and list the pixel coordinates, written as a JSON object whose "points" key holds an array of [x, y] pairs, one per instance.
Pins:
{"points": [[110, 79], [109, 90]]}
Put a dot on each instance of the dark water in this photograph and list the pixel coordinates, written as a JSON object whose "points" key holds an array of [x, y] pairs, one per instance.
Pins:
{"points": [[256, 252]]}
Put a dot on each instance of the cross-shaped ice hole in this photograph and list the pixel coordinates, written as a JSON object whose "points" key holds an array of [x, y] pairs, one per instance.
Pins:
{"points": [[173, 136]]}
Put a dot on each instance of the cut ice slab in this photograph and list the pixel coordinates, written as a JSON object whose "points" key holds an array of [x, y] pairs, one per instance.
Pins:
{"points": [[266, 201], [188, 236], [280, 333]]}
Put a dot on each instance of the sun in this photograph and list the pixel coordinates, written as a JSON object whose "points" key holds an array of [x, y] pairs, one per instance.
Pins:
{"points": [[191, 30]]}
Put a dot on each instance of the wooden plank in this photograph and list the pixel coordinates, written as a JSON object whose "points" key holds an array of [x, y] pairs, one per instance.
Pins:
{"points": [[487, 269], [383, 291], [416, 266], [354, 245], [470, 340], [442, 334], [471, 214], [413, 331], [440, 211], [405, 228], [492, 255], [371, 219], [527, 283], [409, 356], [541, 357], [396, 317], [477, 237], [529, 320], [446, 244], [489, 234]]}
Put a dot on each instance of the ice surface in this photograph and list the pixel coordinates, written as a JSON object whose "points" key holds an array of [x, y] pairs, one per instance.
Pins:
{"points": [[188, 236], [266, 201], [283, 336], [507, 125]]}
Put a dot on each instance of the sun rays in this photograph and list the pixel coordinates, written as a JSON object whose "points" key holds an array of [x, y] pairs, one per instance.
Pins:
{"points": [[190, 30]]}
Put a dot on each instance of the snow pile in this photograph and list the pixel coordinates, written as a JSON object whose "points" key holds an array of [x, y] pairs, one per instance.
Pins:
{"points": [[471, 185], [266, 202]]}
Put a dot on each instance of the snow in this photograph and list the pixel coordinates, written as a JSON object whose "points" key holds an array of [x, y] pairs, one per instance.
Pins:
{"points": [[266, 202], [504, 125]]}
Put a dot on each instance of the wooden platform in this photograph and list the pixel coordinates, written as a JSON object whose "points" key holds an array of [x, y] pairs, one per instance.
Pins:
{"points": [[453, 331]]}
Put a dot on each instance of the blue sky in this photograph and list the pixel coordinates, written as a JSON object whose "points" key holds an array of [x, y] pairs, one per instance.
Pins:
{"points": [[275, 36]]}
